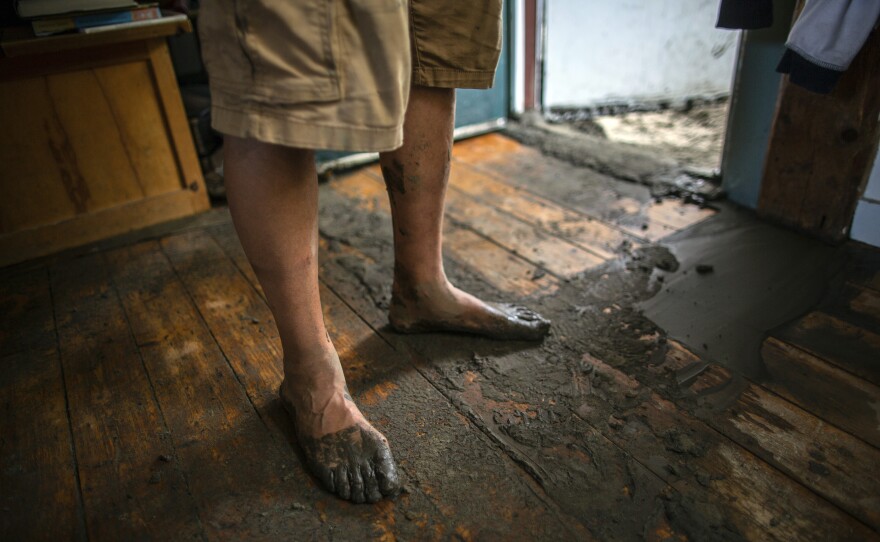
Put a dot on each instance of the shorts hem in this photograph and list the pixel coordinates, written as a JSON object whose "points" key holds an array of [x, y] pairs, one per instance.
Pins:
{"points": [[270, 127], [452, 78]]}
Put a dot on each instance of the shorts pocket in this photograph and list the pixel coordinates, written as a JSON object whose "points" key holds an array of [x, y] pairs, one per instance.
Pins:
{"points": [[291, 49]]}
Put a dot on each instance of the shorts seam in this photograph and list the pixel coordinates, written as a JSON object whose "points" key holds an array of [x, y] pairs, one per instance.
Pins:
{"points": [[308, 135], [459, 70], [454, 78], [327, 34], [415, 44], [246, 111], [310, 91]]}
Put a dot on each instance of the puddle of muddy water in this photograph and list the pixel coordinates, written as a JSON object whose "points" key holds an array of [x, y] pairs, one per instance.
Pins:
{"points": [[754, 277]]}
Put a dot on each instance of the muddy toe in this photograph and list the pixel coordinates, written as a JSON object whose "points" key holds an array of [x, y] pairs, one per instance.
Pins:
{"points": [[386, 473], [355, 463], [371, 485], [343, 488], [518, 323], [357, 485]]}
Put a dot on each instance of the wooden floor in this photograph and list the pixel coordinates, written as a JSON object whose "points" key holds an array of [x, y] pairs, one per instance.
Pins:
{"points": [[138, 386]]}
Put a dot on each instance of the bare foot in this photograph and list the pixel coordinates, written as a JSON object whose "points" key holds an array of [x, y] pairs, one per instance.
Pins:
{"points": [[347, 454], [443, 307]]}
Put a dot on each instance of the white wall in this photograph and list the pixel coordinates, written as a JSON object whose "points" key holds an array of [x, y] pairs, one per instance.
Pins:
{"points": [[601, 51], [866, 222]]}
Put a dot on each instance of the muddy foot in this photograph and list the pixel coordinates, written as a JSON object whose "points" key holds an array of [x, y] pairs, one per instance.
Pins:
{"points": [[355, 462], [449, 309]]}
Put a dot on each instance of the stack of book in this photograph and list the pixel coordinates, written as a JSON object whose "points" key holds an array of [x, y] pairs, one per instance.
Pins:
{"points": [[49, 17]]}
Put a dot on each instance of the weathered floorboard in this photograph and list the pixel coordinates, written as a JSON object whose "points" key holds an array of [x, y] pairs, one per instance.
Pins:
{"points": [[866, 304], [627, 206], [26, 322], [872, 282], [241, 481], [559, 466], [856, 304], [131, 485], [587, 232], [510, 273], [558, 256], [544, 249], [40, 497], [822, 389], [836, 341], [831, 462], [718, 485], [495, 265], [745, 487]]}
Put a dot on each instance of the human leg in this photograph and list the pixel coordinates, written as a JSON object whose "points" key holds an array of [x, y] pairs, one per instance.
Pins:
{"points": [[416, 176], [272, 194]]}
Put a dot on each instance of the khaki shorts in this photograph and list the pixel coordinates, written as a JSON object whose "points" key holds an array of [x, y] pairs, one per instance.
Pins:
{"points": [[335, 74]]}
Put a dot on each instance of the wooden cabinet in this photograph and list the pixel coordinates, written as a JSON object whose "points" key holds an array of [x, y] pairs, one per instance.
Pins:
{"points": [[94, 140]]}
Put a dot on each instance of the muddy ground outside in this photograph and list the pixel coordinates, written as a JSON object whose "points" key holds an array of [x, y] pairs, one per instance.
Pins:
{"points": [[692, 136]]}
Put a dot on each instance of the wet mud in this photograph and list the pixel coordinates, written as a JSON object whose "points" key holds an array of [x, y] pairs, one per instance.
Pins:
{"points": [[739, 279], [693, 135], [500, 321], [355, 463], [394, 179], [676, 170], [608, 434], [555, 413], [619, 160]]}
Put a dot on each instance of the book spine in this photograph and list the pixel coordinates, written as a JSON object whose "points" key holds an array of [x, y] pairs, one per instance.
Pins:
{"points": [[135, 24], [57, 25], [101, 19]]}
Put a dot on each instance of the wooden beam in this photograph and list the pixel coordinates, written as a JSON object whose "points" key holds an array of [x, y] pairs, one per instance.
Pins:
{"points": [[821, 149]]}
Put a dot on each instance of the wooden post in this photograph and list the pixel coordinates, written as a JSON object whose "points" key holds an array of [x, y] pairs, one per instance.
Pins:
{"points": [[821, 150]]}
